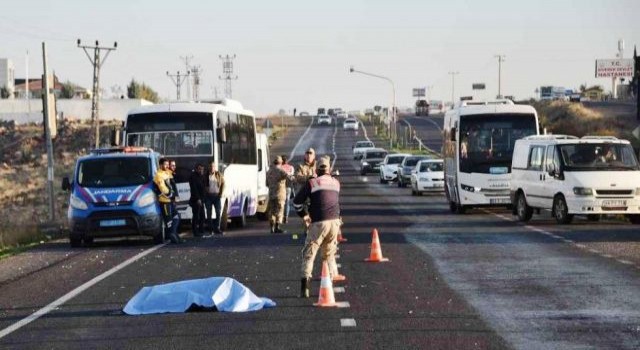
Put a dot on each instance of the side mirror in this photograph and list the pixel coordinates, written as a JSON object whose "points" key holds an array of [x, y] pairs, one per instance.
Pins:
{"points": [[221, 135], [453, 134], [66, 184]]}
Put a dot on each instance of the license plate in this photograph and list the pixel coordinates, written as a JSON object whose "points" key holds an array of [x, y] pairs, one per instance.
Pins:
{"points": [[499, 201], [112, 223], [611, 203], [438, 184]]}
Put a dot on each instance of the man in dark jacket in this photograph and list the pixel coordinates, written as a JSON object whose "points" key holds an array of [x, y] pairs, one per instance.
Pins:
{"points": [[197, 184], [322, 217]]}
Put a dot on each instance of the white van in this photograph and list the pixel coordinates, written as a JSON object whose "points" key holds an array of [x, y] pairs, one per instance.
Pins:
{"points": [[591, 176]]}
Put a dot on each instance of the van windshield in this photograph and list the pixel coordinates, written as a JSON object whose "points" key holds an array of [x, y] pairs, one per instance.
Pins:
{"points": [[114, 172], [598, 157]]}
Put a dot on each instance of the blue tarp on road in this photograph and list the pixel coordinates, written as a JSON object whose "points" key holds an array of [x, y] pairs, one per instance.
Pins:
{"points": [[223, 293]]}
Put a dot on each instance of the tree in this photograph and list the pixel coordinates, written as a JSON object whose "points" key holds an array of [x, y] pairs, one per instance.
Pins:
{"points": [[137, 90], [4, 92], [67, 90]]}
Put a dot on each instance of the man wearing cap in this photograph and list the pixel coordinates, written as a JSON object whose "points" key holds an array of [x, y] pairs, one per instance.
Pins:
{"points": [[277, 180], [322, 217], [307, 169]]}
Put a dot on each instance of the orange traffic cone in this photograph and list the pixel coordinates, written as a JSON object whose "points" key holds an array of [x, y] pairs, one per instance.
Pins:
{"points": [[376, 250], [340, 238], [337, 277], [326, 298]]}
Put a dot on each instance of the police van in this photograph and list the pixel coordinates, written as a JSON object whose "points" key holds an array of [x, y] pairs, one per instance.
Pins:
{"points": [[592, 176], [112, 194]]}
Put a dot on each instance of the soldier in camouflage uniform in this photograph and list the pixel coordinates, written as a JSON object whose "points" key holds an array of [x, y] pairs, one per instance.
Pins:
{"points": [[277, 180], [307, 169]]}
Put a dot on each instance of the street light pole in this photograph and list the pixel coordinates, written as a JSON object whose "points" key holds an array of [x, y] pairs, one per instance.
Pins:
{"points": [[393, 101], [500, 60], [453, 87]]}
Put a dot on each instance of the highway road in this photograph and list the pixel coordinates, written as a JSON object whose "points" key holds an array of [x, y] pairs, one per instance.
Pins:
{"points": [[428, 129], [474, 281]]}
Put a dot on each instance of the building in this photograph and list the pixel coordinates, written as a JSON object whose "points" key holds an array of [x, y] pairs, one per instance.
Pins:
{"points": [[35, 88], [7, 75]]}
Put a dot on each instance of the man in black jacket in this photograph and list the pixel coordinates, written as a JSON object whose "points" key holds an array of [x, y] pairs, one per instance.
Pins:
{"points": [[196, 201], [317, 203]]}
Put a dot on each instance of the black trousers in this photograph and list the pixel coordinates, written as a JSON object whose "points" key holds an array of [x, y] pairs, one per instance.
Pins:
{"points": [[197, 221]]}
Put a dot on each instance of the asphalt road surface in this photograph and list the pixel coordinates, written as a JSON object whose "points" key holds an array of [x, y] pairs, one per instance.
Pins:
{"points": [[428, 129], [474, 281]]}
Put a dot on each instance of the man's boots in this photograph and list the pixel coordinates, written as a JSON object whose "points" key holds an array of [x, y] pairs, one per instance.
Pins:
{"points": [[305, 286]]}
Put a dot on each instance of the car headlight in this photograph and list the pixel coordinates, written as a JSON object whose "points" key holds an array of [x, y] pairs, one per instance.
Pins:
{"points": [[77, 203], [582, 191], [425, 179], [365, 164], [147, 199]]}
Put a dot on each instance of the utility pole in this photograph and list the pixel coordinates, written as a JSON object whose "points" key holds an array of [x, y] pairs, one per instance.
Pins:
{"points": [[500, 60], [177, 80], [49, 128], [97, 64], [453, 86], [196, 70], [27, 89], [187, 64], [227, 71], [636, 58]]}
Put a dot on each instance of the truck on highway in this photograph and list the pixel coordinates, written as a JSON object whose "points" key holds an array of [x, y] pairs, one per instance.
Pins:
{"points": [[422, 108], [112, 195]]}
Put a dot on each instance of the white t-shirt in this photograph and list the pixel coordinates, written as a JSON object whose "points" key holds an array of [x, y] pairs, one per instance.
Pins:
{"points": [[214, 186]]}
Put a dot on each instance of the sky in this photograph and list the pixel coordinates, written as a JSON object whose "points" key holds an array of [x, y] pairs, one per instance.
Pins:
{"points": [[297, 54]]}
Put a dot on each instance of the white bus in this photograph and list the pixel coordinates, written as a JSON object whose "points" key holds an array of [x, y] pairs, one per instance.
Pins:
{"points": [[201, 132], [478, 141]]}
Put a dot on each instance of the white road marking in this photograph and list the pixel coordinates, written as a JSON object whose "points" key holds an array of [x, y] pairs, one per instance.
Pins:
{"points": [[347, 322], [342, 304], [72, 294], [338, 289], [338, 265], [293, 151]]}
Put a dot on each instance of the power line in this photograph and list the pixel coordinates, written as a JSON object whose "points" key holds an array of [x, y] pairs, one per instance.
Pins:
{"points": [[177, 80], [97, 64], [227, 71], [187, 64]]}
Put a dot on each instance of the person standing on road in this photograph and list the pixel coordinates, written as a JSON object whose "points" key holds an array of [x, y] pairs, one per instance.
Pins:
{"points": [[307, 169], [322, 217], [197, 187], [176, 198], [215, 188], [162, 180], [277, 180], [287, 202]]}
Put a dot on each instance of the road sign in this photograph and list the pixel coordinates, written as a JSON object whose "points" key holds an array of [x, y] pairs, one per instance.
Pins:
{"points": [[614, 68], [478, 86], [419, 92]]}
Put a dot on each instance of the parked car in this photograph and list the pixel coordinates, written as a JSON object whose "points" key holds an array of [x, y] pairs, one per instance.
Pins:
{"points": [[405, 168], [360, 146], [389, 167], [341, 115], [571, 176], [371, 159], [350, 124], [324, 119], [427, 176]]}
